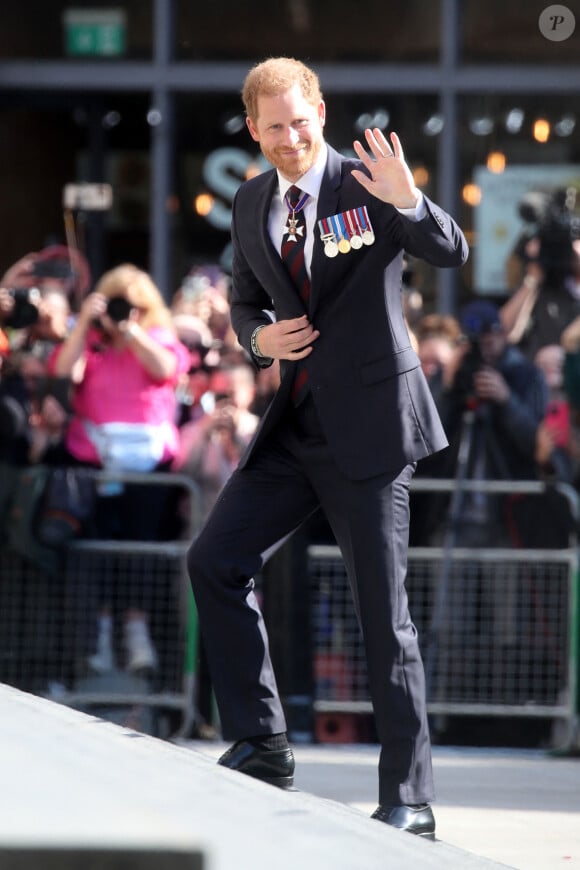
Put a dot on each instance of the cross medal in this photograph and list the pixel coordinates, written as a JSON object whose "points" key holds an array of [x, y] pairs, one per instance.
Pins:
{"points": [[293, 229]]}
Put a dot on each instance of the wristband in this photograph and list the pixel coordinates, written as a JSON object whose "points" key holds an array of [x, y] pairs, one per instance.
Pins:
{"points": [[254, 343]]}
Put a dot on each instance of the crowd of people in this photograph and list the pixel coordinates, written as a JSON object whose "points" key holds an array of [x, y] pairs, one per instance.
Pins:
{"points": [[116, 379], [119, 379], [516, 369]]}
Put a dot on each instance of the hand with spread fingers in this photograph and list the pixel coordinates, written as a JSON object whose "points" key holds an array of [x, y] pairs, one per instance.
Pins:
{"points": [[391, 179]]}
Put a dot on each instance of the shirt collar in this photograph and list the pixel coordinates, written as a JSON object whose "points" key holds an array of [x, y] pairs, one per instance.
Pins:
{"points": [[310, 181]]}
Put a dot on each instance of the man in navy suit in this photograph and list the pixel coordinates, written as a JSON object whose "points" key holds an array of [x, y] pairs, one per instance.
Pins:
{"points": [[351, 417]]}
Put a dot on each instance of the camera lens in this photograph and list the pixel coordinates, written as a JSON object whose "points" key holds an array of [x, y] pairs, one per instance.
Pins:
{"points": [[24, 312], [118, 308]]}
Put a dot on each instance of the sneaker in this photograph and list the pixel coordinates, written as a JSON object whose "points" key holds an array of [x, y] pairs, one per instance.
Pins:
{"points": [[141, 653], [103, 660]]}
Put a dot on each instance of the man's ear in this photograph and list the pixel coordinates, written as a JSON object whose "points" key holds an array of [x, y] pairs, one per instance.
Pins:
{"points": [[322, 112], [252, 129]]}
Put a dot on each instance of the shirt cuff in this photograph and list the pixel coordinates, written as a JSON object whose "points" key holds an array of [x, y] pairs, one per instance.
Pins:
{"points": [[418, 212]]}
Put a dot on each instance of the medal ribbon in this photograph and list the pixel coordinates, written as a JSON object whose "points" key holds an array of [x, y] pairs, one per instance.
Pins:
{"points": [[297, 206], [350, 222], [344, 232]]}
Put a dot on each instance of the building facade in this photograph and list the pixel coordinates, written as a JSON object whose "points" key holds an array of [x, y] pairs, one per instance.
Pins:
{"points": [[144, 95]]}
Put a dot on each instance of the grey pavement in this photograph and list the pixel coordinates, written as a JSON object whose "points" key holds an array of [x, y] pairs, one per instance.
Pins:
{"points": [[73, 782], [520, 808], [77, 785]]}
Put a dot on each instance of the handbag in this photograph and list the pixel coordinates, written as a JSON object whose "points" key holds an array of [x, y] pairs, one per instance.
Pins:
{"points": [[127, 446]]}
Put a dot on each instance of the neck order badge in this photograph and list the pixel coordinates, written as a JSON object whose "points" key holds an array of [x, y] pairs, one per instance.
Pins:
{"points": [[292, 253], [292, 250]]}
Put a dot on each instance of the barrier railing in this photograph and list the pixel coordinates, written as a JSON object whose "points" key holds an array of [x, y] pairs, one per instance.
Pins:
{"points": [[498, 625], [52, 620]]}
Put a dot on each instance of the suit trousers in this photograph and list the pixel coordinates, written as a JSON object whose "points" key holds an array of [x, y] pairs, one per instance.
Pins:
{"points": [[287, 478]]}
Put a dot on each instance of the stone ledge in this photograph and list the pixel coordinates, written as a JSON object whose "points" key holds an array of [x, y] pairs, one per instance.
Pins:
{"points": [[75, 782]]}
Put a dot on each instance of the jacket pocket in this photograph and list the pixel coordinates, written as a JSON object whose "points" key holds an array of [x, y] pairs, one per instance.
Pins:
{"points": [[387, 366]]}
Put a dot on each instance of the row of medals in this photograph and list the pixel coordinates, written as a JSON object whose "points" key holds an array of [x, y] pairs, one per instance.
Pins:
{"points": [[340, 244]]}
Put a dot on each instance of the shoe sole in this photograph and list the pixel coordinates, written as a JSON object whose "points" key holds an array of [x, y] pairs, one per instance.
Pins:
{"points": [[283, 782]]}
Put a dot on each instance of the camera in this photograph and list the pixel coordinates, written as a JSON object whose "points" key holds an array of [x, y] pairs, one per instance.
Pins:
{"points": [[194, 287], [478, 318], [119, 308], [463, 384], [557, 226], [58, 269], [25, 309]]}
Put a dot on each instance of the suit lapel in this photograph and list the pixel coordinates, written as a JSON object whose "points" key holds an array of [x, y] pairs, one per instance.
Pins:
{"points": [[263, 210], [328, 200]]}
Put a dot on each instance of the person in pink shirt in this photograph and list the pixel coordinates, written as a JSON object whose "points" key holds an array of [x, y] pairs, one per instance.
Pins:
{"points": [[124, 359]]}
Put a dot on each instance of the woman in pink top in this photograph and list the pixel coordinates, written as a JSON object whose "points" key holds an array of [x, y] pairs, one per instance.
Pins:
{"points": [[124, 360]]}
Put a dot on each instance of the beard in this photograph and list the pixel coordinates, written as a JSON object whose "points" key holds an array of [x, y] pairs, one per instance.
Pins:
{"points": [[294, 166]]}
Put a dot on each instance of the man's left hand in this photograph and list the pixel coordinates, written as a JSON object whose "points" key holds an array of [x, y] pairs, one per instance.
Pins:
{"points": [[391, 179]]}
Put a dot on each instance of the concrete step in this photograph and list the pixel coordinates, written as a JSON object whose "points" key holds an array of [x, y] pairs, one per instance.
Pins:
{"points": [[82, 792]]}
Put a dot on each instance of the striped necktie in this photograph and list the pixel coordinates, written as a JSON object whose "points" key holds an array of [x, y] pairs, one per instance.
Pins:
{"points": [[293, 240], [292, 252]]}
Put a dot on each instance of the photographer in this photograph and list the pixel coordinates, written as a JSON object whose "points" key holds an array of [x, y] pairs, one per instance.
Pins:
{"points": [[204, 294], [440, 348], [25, 388], [211, 446], [492, 412], [548, 298], [125, 360], [507, 395], [558, 438], [19, 307], [33, 412]]}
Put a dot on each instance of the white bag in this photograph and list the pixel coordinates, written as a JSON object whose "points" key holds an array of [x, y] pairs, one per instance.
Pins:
{"points": [[127, 446]]}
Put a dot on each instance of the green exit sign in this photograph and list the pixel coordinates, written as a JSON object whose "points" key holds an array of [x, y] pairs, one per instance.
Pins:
{"points": [[94, 32]]}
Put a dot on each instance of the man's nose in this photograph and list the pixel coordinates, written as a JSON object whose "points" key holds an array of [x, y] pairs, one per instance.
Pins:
{"points": [[292, 136]]}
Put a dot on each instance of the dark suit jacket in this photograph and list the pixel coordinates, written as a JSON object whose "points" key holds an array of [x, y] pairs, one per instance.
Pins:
{"points": [[373, 402]]}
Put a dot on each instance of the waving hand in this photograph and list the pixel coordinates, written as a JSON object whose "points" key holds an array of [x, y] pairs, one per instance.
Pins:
{"points": [[391, 179]]}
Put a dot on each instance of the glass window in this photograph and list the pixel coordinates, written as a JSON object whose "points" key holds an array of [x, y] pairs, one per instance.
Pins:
{"points": [[320, 30], [51, 141], [76, 29], [508, 31], [516, 154]]}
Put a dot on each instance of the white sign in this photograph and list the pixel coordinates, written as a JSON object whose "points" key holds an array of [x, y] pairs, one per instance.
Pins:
{"points": [[88, 197], [497, 222]]}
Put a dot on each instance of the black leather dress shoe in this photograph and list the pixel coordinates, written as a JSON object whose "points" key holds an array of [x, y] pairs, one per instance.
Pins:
{"points": [[274, 766], [417, 819]]}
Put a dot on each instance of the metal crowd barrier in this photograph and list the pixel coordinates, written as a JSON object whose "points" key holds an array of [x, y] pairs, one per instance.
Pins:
{"points": [[498, 626], [48, 618]]}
